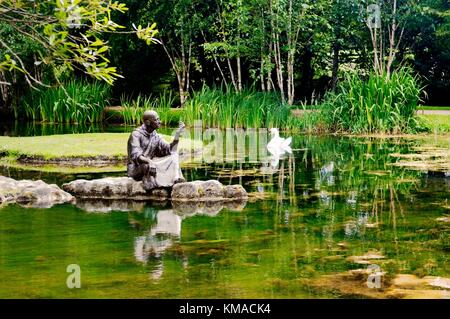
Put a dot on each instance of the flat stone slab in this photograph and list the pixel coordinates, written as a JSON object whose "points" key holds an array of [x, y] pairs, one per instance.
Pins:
{"points": [[32, 193], [127, 188], [113, 188]]}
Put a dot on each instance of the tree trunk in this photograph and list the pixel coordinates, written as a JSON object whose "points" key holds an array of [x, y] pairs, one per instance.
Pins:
{"points": [[334, 78], [230, 68], [307, 72], [276, 51], [290, 81], [224, 79], [290, 57], [182, 93], [269, 72], [261, 74], [238, 61], [279, 67], [182, 75]]}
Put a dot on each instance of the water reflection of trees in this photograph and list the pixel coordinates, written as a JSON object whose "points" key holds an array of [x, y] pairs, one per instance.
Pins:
{"points": [[352, 191], [332, 199]]}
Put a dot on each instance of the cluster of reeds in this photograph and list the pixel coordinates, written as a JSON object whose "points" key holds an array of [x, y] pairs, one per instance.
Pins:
{"points": [[230, 109], [375, 104], [74, 102], [133, 109]]}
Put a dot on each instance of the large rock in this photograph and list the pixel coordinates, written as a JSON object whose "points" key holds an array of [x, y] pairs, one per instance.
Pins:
{"points": [[207, 191], [32, 193], [127, 188], [113, 188]]}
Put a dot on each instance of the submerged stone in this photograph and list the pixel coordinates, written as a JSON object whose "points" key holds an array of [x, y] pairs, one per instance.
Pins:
{"points": [[365, 259], [444, 219], [407, 281]]}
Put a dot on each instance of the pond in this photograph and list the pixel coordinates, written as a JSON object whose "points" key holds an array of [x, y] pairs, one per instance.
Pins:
{"points": [[332, 210]]}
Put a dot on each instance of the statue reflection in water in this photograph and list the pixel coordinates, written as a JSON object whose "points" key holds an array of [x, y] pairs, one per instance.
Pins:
{"points": [[160, 237], [166, 231]]}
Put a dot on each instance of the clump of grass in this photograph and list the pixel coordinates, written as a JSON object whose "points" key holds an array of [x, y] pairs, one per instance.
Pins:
{"points": [[230, 109], [133, 110], [74, 102], [376, 104]]}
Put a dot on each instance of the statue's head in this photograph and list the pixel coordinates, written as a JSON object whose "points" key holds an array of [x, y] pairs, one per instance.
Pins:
{"points": [[151, 120]]}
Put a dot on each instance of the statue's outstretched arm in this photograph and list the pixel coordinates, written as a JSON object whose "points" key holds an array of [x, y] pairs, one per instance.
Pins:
{"points": [[176, 139]]}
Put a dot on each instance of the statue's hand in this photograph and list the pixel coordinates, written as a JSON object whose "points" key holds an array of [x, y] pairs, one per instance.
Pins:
{"points": [[181, 128], [151, 166]]}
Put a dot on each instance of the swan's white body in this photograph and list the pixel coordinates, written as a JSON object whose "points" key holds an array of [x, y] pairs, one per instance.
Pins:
{"points": [[278, 146]]}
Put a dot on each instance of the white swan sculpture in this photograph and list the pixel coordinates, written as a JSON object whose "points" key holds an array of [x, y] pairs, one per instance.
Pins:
{"points": [[278, 146]]}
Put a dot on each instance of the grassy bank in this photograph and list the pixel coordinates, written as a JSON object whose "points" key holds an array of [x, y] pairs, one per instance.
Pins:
{"points": [[434, 108], [12, 163], [105, 145], [437, 123]]}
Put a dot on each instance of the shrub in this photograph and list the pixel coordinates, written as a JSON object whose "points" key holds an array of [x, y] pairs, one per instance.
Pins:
{"points": [[375, 104]]}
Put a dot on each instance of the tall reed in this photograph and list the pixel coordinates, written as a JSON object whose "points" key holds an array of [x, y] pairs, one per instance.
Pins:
{"points": [[133, 109], [76, 102], [230, 109]]}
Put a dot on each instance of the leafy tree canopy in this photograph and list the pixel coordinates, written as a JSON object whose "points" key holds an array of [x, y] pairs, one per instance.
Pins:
{"points": [[64, 32]]}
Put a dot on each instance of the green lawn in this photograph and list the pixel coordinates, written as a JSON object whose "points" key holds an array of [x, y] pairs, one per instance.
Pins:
{"points": [[439, 108], [111, 145], [438, 123]]}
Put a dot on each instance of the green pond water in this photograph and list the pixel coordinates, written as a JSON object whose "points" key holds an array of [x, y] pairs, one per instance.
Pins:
{"points": [[334, 198]]}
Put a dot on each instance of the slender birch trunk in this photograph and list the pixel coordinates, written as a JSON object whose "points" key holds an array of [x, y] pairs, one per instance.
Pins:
{"points": [[335, 70]]}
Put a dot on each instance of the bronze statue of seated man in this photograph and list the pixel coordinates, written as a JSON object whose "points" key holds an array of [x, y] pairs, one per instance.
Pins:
{"points": [[150, 158]]}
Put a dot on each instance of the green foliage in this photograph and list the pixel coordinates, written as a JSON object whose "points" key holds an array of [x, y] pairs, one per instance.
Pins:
{"points": [[74, 102], [375, 104], [133, 110], [436, 123], [247, 109], [69, 33]]}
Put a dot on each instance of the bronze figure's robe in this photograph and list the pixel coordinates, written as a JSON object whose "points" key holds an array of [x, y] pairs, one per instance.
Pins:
{"points": [[152, 146]]}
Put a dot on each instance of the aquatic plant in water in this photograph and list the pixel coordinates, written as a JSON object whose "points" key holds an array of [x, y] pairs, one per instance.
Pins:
{"points": [[374, 104]]}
